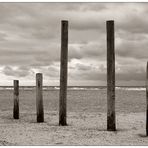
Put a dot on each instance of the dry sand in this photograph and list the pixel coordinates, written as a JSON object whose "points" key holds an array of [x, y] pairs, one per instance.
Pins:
{"points": [[86, 119], [83, 129]]}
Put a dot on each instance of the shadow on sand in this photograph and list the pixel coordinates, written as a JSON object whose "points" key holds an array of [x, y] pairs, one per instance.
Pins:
{"points": [[142, 135]]}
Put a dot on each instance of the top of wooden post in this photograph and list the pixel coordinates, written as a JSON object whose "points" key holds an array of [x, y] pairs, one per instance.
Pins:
{"points": [[38, 73], [110, 21], [15, 81], [64, 21]]}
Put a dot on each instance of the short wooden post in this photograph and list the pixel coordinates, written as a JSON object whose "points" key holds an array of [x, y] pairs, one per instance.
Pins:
{"points": [[16, 99], [147, 99], [111, 118], [39, 98], [63, 73]]}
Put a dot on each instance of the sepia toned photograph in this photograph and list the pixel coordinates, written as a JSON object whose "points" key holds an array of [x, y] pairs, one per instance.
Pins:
{"points": [[73, 74]]}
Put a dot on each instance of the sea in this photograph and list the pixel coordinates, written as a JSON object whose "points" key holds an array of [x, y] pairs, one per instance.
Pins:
{"points": [[128, 88]]}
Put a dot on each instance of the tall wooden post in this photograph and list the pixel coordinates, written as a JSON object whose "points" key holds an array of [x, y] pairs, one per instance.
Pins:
{"points": [[39, 98], [111, 118], [63, 73], [16, 99], [147, 99]]}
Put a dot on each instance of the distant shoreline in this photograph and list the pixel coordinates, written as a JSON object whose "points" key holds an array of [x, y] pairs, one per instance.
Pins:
{"points": [[125, 88]]}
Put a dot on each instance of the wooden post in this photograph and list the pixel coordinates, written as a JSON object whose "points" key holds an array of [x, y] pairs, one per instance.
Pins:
{"points": [[39, 98], [63, 73], [147, 99], [16, 99], [111, 118]]}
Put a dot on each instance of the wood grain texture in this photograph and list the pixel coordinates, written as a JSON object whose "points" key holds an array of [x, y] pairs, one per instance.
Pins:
{"points": [[16, 99], [111, 118], [39, 98], [147, 99], [63, 74]]}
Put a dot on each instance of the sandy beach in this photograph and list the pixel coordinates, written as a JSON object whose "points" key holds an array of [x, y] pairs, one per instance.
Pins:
{"points": [[82, 129], [79, 64], [86, 119]]}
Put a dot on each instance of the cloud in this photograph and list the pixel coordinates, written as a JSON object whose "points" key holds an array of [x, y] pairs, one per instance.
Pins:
{"points": [[30, 38], [17, 72], [97, 71], [134, 48]]}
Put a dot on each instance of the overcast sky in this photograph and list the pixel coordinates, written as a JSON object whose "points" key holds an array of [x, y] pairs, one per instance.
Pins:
{"points": [[30, 42]]}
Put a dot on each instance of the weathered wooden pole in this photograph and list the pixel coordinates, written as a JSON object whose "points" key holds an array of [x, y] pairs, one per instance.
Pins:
{"points": [[63, 73], [16, 99], [39, 98], [147, 99], [111, 118]]}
